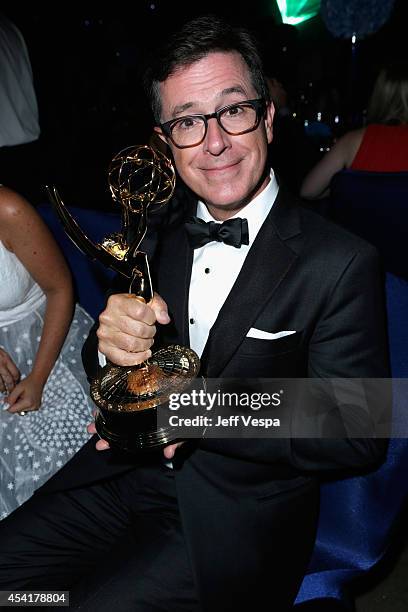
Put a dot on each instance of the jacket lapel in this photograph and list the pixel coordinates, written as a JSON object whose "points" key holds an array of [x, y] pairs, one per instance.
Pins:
{"points": [[267, 263], [173, 282], [182, 274]]}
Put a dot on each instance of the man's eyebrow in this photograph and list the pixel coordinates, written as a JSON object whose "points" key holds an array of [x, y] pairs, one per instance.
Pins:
{"points": [[233, 89], [182, 108]]}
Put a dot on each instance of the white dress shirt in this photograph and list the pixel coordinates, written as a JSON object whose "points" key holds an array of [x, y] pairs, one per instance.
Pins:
{"points": [[216, 266]]}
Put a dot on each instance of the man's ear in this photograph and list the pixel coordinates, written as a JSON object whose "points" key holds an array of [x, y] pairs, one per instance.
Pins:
{"points": [[160, 134], [159, 141], [270, 112]]}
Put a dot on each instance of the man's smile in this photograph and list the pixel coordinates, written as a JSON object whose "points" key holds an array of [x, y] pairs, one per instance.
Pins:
{"points": [[214, 170]]}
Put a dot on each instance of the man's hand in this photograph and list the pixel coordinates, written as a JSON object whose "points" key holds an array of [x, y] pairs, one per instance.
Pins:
{"points": [[126, 333], [127, 328], [168, 451], [101, 444]]}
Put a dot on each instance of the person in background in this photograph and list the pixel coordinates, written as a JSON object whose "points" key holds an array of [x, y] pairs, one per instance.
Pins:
{"points": [[291, 152], [44, 403], [19, 118], [381, 146]]}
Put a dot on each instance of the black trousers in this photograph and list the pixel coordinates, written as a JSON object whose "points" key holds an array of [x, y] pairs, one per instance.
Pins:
{"points": [[116, 545]]}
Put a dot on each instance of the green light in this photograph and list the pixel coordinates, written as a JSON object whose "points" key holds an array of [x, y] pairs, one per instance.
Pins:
{"points": [[295, 12]]}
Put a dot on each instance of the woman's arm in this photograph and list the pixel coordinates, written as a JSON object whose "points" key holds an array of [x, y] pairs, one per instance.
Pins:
{"points": [[24, 233], [341, 155]]}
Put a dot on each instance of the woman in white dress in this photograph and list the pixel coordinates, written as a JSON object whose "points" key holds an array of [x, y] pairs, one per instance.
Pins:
{"points": [[44, 402]]}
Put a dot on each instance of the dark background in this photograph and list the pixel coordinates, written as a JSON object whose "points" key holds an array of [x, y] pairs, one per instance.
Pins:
{"points": [[87, 67]]}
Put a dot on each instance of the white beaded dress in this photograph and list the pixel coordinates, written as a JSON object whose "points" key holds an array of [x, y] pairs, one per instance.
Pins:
{"points": [[33, 447]]}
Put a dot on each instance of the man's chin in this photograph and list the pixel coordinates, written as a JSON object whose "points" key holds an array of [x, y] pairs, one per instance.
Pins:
{"points": [[225, 199], [220, 197], [221, 207]]}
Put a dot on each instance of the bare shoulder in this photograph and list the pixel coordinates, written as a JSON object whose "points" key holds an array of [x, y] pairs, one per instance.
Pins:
{"points": [[12, 206], [23, 232], [16, 215]]}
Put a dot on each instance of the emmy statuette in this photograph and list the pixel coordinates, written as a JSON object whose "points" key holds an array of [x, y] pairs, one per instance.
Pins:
{"points": [[128, 398]]}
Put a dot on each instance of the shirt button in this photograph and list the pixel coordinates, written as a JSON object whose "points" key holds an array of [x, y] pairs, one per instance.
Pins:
{"points": [[207, 270], [192, 321]]}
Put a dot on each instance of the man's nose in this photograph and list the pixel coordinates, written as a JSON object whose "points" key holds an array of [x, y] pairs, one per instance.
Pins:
{"points": [[216, 140]]}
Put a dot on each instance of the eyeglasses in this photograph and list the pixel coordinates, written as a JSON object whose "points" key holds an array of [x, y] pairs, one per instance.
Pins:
{"points": [[235, 119]]}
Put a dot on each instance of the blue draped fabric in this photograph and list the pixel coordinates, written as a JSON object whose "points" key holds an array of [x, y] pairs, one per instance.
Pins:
{"points": [[373, 205], [357, 514], [91, 279]]}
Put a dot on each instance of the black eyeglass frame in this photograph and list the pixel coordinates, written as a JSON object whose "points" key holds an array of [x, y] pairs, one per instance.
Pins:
{"points": [[259, 105]]}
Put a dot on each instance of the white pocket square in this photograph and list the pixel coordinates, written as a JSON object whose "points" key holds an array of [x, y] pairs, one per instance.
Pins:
{"points": [[264, 335]]}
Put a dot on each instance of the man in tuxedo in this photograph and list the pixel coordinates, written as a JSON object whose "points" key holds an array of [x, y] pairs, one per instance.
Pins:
{"points": [[279, 292]]}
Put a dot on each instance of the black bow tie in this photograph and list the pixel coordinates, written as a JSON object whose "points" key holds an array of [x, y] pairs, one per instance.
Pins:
{"points": [[233, 232]]}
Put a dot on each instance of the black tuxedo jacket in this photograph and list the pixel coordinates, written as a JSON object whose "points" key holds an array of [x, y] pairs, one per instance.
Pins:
{"points": [[302, 273]]}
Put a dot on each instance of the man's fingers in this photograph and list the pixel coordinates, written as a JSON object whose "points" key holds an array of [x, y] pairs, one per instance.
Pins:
{"points": [[170, 450], [124, 342], [102, 445], [160, 309], [127, 328], [156, 309], [123, 358], [91, 428], [125, 305], [122, 333]]}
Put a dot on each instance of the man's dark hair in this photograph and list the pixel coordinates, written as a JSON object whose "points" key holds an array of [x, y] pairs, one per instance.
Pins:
{"points": [[194, 41]]}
